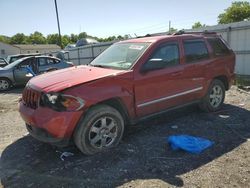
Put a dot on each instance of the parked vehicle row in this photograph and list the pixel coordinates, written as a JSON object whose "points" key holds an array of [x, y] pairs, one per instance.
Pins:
{"points": [[16, 73], [130, 81]]}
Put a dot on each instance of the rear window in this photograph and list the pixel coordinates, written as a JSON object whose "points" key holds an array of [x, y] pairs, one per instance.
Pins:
{"points": [[219, 48], [195, 50]]}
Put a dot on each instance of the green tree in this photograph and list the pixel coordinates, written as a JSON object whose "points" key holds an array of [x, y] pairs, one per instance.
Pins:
{"points": [[172, 30], [198, 25], [53, 39], [37, 38], [237, 12], [82, 35], [4, 39], [73, 38], [19, 38], [65, 40]]}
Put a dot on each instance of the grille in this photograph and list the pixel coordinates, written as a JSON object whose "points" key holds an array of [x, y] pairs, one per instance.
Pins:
{"points": [[30, 98]]}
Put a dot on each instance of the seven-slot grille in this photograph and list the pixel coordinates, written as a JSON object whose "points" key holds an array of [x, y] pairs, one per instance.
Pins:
{"points": [[30, 98]]}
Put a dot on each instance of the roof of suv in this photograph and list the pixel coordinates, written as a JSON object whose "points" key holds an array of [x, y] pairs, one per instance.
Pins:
{"points": [[152, 39]]}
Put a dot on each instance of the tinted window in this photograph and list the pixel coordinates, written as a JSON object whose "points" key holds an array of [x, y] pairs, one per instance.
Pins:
{"points": [[57, 61], [25, 63], [195, 50], [219, 48], [42, 61], [168, 53], [51, 61]]}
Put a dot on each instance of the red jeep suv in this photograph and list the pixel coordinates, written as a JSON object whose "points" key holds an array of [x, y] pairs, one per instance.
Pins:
{"points": [[130, 81]]}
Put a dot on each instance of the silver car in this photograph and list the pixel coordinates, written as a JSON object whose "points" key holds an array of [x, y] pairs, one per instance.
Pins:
{"points": [[17, 73]]}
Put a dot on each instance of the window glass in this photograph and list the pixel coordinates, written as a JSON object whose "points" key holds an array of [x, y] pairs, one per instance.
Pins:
{"points": [[25, 63], [51, 61], [57, 61], [42, 61], [219, 48], [195, 50], [168, 53], [120, 55]]}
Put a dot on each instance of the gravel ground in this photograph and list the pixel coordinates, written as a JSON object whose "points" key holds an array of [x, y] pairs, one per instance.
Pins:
{"points": [[143, 159]]}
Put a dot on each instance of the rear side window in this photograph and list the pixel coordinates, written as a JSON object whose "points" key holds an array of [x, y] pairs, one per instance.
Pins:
{"points": [[51, 61], [42, 61], [195, 50], [169, 53], [219, 48]]}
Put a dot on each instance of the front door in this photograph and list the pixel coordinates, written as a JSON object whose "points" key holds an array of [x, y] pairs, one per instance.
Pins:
{"points": [[156, 90], [20, 72]]}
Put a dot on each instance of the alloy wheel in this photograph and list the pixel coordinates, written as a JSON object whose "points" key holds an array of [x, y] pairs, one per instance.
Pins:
{"points": [[4, 85], [103, 132], [216, 96]]}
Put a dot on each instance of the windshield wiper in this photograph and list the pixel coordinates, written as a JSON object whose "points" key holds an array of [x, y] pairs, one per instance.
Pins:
{"points": [[102, 66]]}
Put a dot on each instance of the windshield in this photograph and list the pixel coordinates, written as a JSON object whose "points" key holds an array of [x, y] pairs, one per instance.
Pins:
{"points": [[120, 55], [11, 65]]}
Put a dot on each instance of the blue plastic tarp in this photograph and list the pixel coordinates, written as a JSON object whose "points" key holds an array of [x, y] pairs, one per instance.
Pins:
{"points": [[188, 143]]}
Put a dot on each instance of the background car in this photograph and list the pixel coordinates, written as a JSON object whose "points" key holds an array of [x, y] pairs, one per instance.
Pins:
{"points": [[3, 62], [12, 58], [16, 73], [85, 41]]}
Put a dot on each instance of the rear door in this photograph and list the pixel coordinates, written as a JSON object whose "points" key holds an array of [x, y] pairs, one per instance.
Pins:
{"points": [[46, 64], [196, 55]]}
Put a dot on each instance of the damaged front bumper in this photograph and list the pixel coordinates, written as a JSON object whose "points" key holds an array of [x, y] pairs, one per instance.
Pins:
{"points": [[43, 136], [48, 125]]}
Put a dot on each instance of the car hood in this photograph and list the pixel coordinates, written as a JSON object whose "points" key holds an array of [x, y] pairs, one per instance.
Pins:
{"points": [[65, 78], [3, 69]]}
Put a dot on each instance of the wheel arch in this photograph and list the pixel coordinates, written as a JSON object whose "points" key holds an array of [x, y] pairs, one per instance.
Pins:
{"points": [[118, 105], [6, 78], [224, 80]]}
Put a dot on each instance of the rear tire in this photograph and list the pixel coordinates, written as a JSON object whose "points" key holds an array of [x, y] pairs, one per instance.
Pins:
{"points": [[214, 98], [5, 84], [101, 128]]}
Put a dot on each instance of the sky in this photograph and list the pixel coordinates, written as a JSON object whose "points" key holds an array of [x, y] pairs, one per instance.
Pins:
{"points": [[104, 18]]}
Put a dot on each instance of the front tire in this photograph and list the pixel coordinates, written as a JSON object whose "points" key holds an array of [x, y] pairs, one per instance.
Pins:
{"points": [[5, 84], [214, 98], [101, 128]]}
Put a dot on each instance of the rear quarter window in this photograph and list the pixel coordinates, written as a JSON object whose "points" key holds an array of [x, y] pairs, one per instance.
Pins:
{"points": [[219, 48], [195, 50]]}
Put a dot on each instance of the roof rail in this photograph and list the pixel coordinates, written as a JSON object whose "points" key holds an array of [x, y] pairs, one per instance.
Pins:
{"points": [[181, 32]]}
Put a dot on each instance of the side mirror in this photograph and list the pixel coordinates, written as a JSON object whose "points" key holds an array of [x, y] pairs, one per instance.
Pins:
{"points": [[153, 64]]}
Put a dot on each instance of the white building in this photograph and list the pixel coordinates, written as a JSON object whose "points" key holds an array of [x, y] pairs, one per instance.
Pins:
{"points": [[7, 49], [37, 48]]}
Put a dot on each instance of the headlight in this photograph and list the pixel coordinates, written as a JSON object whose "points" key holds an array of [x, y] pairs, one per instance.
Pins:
{"points": [[61, 102]]}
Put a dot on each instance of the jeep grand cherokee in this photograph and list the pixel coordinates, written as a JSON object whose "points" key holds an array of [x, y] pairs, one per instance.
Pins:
{"points": [[130, 81]]}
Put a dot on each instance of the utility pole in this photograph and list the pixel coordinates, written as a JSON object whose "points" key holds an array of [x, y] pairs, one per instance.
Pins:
{"points": [[169, 26], [58, 25]]}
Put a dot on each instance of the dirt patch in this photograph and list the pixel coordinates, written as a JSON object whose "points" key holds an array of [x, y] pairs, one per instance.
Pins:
{"points": [[143, 159]]}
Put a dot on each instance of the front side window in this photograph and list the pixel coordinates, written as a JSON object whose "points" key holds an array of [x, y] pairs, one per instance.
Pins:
{"points": [[168, 53], [195, 50], [51, 61], [120, 55], [25, 63]]}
